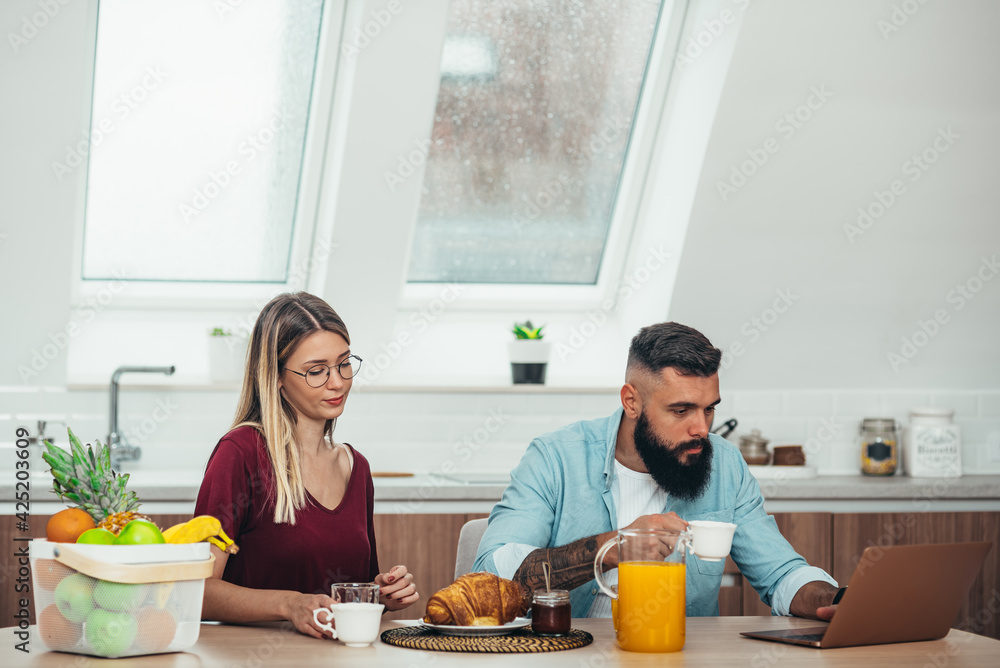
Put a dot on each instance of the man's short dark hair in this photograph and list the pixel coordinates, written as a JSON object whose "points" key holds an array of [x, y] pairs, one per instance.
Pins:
{"points": [[671, 344]]}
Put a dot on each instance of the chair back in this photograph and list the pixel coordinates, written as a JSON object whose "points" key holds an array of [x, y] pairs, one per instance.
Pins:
{"points": [[468, 544]]}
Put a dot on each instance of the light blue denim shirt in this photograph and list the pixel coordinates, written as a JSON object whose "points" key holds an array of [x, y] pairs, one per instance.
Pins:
{"points": [[561, 492]]}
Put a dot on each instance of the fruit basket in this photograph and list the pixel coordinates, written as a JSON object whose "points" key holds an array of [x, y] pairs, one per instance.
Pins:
{"points": [[119, 600]]}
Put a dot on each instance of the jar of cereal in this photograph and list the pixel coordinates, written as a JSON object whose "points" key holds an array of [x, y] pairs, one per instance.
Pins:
{"points": [[879, 449]]}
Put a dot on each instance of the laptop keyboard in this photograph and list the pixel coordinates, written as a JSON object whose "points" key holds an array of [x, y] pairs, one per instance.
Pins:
{"points": [[807, 636]]}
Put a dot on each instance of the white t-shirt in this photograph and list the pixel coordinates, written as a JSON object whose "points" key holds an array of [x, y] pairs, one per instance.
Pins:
{"points": [[635, 494]]}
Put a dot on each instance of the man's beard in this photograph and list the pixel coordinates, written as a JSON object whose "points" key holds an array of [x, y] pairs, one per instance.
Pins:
{"points": [[662, 460]]}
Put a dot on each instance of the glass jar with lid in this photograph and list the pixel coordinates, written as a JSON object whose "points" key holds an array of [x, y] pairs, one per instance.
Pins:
{"points": [[879, 446], [753, 446], [550, 612]]}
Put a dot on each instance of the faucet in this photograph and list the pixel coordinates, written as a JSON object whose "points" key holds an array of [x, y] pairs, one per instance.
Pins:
{"points": [[40, 437], [121, 449], [36, 462]]}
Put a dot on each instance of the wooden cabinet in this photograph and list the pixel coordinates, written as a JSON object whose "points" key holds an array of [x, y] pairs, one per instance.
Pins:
{"points": [[835, 542], [808, 533], [854, 532], [427, 545]]}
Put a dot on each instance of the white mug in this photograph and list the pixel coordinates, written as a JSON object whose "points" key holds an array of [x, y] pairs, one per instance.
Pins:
{"points": [[357, 623], [711, 541]]}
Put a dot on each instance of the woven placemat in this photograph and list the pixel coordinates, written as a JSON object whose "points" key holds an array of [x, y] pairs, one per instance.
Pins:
{"points": [[522, 641]]}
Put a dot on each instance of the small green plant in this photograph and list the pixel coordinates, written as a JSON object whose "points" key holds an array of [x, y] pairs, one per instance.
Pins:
{"points": [[526, 330], [219, 331]]}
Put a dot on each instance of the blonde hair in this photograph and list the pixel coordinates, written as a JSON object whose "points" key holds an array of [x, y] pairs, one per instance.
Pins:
{"points": [[282, 324]]}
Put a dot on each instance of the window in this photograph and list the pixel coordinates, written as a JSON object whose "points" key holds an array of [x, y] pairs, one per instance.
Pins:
{"points": [[199, 122], [534, 115]]}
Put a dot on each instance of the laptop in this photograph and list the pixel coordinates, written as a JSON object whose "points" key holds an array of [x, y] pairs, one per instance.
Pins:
{"points": [[902, 593]]}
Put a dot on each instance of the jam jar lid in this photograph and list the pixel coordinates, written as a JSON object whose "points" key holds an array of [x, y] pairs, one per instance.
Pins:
{"points": [[550, 597]]}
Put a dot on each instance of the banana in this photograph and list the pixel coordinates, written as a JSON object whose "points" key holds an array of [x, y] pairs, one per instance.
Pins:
{"points": [[167, 533], [201, 528], [162, 593]]}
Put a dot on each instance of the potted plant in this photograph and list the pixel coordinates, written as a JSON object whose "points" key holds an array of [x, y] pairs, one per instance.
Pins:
{"points": [[529, 354], [226, 356]]}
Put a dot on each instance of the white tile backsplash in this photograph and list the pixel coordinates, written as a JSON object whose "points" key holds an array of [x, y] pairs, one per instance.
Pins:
{"points": [[899, 404], [989, 404], [965, 404], [777, 430], [860, 403], [808, 403], [757, 403], [423, 431]]}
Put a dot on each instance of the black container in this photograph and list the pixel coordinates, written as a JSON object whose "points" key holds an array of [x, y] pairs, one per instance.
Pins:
{"points": [[528, 373]]}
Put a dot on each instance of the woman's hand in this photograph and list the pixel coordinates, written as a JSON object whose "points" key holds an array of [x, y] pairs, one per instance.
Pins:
{"points": [[396, 588], [298, 609]]}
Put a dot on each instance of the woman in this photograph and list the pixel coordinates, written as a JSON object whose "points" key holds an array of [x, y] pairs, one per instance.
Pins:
{"points": [[298, 505]]}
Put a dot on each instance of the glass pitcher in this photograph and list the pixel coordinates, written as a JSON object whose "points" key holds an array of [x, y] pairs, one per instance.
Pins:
{"points": [[649, 607]]}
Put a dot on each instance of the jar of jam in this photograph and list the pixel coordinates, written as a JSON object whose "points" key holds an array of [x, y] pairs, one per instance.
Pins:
{"points": [[550, 612]]}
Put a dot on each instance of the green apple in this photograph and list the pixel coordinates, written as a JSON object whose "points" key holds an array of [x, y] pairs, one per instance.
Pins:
{"points": [[110, 633], [117, 596], [139, 532], [97, 537], [75, 596]]}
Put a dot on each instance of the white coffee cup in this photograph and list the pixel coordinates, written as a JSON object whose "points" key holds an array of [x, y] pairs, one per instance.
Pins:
{"points": [[357, 624], [711, 541]]}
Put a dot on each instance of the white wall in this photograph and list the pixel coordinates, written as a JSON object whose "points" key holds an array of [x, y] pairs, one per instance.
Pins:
{"points": [[855, 294]]}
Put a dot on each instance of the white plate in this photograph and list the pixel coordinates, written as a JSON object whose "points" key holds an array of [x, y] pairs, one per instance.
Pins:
{"points": [[510, 627]]}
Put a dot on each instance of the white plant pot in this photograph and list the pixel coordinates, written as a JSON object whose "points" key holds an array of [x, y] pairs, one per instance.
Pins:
{"points": [[528, 360], [226, 358]]}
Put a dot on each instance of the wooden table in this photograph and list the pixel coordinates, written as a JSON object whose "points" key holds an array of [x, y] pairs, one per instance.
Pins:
{"points": [[711, 641]]}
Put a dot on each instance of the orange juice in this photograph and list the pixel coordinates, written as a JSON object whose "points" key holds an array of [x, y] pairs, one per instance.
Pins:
{"points": [[649, 615]]}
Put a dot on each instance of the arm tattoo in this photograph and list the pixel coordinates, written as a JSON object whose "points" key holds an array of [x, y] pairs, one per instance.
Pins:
{"points": [[569, 566]]}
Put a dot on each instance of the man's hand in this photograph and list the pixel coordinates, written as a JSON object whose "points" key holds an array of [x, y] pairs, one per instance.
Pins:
{"points": [[663, 521], [826, 612], [815, 601], [573, 565]]}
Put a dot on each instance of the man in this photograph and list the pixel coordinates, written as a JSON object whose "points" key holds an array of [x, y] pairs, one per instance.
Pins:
{"points": [[653, 464]]}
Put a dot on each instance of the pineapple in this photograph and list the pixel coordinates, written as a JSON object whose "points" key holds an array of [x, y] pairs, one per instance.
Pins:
{"points": [[87, 480]]}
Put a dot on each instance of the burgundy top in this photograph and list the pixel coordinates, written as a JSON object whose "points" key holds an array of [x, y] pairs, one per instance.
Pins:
{"points": [[324, 545]]}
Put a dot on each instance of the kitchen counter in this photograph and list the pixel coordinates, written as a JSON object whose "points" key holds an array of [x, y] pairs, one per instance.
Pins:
{"points": [[711, 641], [175, 491]]}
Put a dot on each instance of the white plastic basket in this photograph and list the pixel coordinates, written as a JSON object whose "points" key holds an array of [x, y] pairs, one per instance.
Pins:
{"points": [[119, 600]]}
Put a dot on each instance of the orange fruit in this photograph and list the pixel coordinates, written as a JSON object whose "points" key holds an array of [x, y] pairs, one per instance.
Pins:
{"points": [[156, 629], [49, 573], [57, 631], [67, 525]]}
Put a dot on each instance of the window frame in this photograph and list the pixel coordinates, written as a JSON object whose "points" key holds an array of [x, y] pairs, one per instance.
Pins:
{"points": [[200, 295], [637, 163]]}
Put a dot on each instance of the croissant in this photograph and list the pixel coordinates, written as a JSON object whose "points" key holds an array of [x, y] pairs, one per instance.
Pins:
{"points": [[477, 599]]}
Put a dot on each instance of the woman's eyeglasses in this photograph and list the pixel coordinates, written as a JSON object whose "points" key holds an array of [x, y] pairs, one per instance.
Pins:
{"points": [[317, 376]]}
